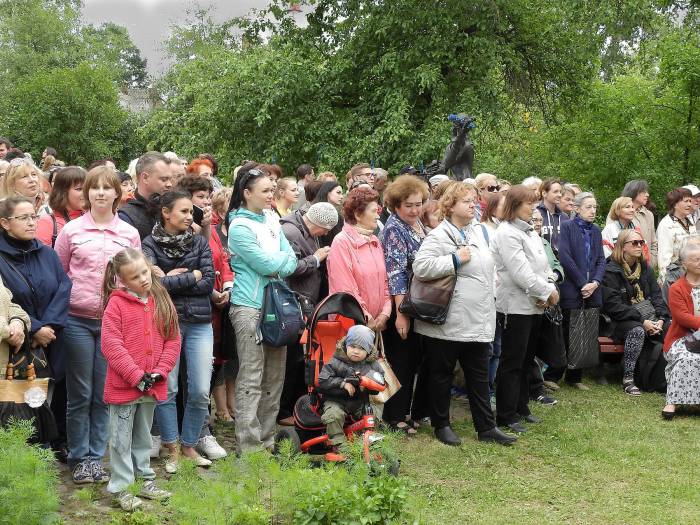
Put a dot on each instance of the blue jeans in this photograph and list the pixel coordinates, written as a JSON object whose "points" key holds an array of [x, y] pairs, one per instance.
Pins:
{"points": [[198, 351], [87, 415]]}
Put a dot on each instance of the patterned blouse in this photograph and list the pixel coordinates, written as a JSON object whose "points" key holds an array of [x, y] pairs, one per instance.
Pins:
{"points": [[400, 242]]}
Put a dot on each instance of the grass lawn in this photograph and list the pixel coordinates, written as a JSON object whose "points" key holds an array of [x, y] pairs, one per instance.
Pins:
{"points": [[598, 457]]}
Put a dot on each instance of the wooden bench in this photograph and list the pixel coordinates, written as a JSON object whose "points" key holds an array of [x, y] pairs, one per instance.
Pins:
{"points": [[608, 346]]}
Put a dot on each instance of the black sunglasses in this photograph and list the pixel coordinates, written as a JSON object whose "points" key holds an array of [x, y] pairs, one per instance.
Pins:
{"points": [[637, 242], [493, 188]]}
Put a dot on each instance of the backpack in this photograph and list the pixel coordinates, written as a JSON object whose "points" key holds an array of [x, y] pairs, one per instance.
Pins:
{"points": [[281, 320], [650, 371]]}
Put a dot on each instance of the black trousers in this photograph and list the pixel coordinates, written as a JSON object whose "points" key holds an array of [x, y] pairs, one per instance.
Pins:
{"points": [[294, 385], [406, 358], [536, 380], [518, 346], [442, 357]]}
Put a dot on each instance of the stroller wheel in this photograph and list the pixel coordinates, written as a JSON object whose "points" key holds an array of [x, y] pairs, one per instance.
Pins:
{"points": [[287, 434]]}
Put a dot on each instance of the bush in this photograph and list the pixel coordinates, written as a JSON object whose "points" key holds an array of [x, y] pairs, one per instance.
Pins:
{"points": [[259, 489], [28, 479]]}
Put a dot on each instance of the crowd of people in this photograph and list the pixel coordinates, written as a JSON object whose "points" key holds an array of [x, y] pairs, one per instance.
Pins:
{"points": [[144, 290]]}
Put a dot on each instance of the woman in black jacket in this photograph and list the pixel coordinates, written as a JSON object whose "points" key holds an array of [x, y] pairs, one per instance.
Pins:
{"points": [[184, 262], [633, 301]]}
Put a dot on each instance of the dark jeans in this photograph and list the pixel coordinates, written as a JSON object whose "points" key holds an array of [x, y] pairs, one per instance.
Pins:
{"points": [[473, 357], [518, 346], [554, 374], [294, 383], [406, 358]]}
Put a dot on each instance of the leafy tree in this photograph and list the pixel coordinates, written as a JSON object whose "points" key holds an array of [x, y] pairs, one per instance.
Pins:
{"points": [[110, 45], [75, 110]]}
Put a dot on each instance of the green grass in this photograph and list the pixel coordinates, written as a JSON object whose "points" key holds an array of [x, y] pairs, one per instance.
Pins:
{"points": [[598, 457]]}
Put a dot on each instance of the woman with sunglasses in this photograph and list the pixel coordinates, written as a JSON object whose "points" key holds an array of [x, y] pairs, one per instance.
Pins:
{"points": [[259, 253], [632, 299]]}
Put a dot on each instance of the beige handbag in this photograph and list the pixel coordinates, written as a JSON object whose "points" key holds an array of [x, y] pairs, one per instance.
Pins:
{"points": [[390, 379]]}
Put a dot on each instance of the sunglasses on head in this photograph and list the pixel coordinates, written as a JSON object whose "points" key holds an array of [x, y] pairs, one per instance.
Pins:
{"points": [[637, 242], [493, 189]]}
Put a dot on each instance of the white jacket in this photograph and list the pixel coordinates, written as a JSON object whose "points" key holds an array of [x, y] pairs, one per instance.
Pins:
{"points": [[521, 267], [670, 235], [472, 313]]}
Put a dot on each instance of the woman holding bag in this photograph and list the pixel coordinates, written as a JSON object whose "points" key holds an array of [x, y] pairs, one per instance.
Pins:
{"points": [[457, 247], [581, 256], [260, 253]]}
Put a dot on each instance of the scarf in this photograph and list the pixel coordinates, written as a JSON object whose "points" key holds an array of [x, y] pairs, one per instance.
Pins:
{"points": [[633, 277], [363, 231], [587, 230], [174, 246]]}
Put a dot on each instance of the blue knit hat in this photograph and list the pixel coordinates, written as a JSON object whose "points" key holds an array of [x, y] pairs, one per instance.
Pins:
{"points": [[360, 336]]}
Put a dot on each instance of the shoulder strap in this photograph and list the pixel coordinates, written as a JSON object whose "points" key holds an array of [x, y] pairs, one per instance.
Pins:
{"points": [[486, 233], [54, 235]]}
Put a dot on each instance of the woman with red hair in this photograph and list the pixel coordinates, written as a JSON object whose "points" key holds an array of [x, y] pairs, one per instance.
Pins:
{"points": [[203, 167], [356, 260]]}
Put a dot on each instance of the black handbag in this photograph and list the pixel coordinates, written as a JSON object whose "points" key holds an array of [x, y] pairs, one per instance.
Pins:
{"points": [[551, 348], [583, 338], [29, 363]]}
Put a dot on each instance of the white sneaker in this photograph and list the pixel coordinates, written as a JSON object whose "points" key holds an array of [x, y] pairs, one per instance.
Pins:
{"points": [[155, 446], [210, 448], [128, 502], [151, 491]]}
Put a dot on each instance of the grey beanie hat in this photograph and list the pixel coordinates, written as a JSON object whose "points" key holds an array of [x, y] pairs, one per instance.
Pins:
{"points": [[323, 214], [361, 336]]}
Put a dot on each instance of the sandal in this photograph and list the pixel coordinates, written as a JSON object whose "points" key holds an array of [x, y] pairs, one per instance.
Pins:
{"points": [[402, 426], [223, 417], [630, 388]]}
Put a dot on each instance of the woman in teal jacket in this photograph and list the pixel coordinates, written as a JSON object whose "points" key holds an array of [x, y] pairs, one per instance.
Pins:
{"points": [[259, 253]]}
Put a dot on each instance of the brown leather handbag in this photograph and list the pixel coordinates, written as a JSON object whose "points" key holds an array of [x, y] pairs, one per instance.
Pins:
{"points": [[429, 301]]}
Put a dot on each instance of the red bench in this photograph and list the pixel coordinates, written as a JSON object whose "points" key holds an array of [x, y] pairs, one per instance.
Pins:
{"points": [[608, 346]]}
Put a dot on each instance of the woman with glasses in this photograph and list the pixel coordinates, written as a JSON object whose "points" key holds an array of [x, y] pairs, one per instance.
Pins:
{"points": [[581, 256], [34, 275], [84, 247], [632, 299], [23, 179], [259, 253]]}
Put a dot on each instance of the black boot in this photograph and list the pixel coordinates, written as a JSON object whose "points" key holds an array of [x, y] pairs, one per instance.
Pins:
{"points": [[530, 418], [447, 436], [495, 435], [517, 427]]}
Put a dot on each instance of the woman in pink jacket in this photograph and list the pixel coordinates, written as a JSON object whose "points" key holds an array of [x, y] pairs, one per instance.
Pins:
{"points": [[84, 247], [356, 260]]}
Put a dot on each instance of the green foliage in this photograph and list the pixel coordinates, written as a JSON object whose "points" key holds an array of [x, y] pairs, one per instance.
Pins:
{"points": [[75, 110], [28, 479], [259, 489], [60, 80], [135, 518]]}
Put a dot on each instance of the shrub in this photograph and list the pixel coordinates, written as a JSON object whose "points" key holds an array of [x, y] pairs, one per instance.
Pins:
{"points": [[28, 478]]}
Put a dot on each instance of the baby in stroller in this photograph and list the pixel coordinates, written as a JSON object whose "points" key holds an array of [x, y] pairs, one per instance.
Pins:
{"points": [[339, 380]]}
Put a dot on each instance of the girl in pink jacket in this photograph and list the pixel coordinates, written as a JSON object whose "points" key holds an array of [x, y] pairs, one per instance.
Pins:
{"points": [[356, 260], [141, 343]]}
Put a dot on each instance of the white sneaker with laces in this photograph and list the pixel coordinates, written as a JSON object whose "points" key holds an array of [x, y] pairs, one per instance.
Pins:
{"points": [[128, 501], [209, 447], [155, 446], [151, 491]]}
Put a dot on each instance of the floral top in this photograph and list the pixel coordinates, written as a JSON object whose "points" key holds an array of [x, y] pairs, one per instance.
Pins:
{"points": [[401, 242]]}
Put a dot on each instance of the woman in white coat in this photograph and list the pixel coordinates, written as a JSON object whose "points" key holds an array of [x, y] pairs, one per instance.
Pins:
{"points": [[522, 293], [459, 247]]}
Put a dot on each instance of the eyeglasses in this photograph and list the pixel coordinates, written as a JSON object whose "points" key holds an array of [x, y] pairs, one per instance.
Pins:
{"points": [[637, 242], [25, 218], [493, 189]]}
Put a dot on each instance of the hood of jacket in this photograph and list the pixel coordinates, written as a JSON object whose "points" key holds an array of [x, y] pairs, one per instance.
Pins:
{"points": [[342, 355], [297, 220]]}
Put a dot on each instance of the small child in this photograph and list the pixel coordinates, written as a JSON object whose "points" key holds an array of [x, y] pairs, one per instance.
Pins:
{"points": [[141, 343], [355, 355]]}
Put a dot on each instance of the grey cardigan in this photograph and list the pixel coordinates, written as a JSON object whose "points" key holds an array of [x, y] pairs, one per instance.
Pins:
{"points": [[472, 313], [521, 267]]}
